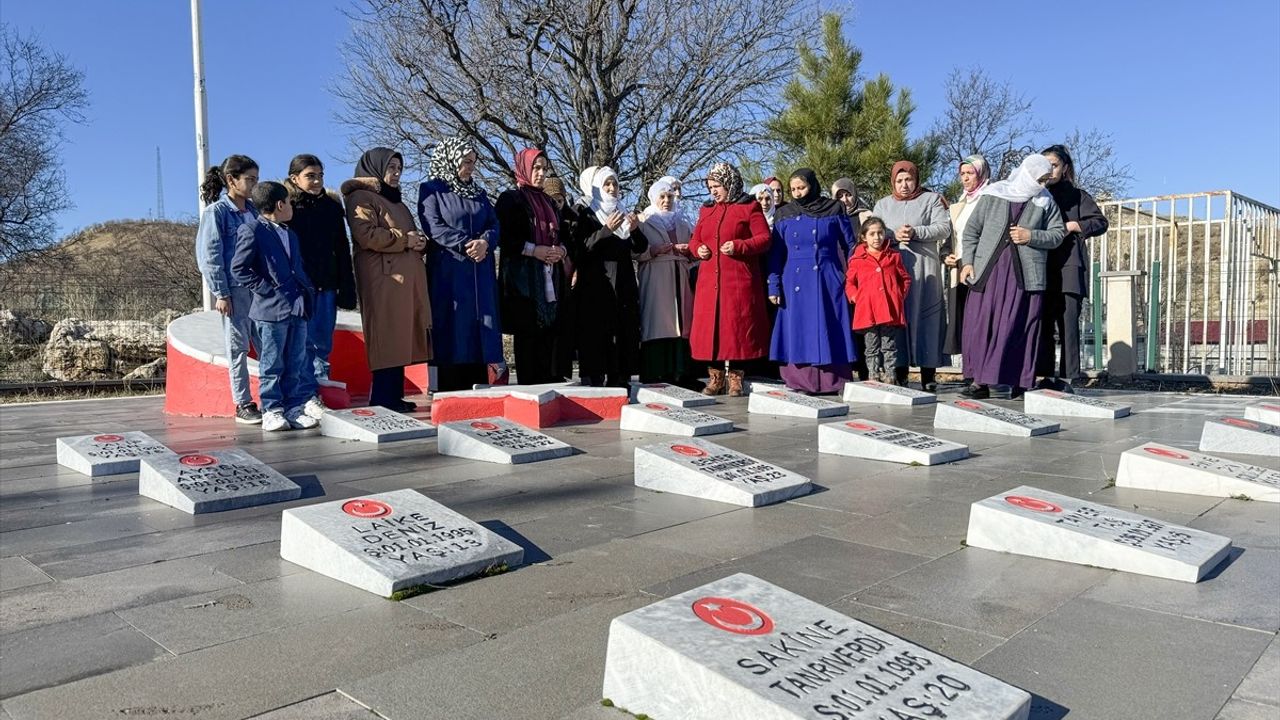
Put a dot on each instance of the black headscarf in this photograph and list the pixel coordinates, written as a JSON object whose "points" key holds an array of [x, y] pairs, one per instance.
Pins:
{"points": [[373, 163], [813, 204]]}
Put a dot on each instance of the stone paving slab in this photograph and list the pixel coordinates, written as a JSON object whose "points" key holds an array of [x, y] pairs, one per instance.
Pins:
{"points": [[93, 645], [1097, 660]]}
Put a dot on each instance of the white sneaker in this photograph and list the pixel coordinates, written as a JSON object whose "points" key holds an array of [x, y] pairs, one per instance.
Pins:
{"points": [[315, 407], [274, 421], [299, 420]]}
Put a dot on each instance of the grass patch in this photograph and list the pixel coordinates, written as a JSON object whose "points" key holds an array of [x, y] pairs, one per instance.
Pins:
{"points": [[1243, 497]]}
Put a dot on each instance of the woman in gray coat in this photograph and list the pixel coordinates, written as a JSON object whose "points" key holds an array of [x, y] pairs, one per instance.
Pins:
{"points": [[1004, 250], [919, 223]]}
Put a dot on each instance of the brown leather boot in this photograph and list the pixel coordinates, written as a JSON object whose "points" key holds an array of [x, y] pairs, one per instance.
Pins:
{"points": [[715, 385], [735, 383]]}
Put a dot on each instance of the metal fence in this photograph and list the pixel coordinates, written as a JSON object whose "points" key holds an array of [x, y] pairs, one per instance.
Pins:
{"points": [[1209, 283]]}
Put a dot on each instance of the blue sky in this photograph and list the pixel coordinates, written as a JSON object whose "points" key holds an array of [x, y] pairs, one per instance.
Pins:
{"points": [[1170, 81]]}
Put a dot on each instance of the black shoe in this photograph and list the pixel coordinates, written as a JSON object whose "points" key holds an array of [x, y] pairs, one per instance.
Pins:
{"points": [[1066, 388], [1016, 392], [931, 387], [247, 414], [404, 406], [1047, 384], [976, 392]]}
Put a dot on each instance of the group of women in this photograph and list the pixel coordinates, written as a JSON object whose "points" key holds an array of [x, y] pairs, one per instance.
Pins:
{"points": [[673, 299]]}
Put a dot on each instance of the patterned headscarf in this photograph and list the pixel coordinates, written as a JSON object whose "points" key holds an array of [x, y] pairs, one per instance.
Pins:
{"points": [[445, 160], [979, 164], [728, 176]]}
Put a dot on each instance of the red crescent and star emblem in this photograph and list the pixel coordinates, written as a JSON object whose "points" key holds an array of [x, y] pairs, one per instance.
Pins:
{"points": [[198, 460], [1166, 453], [689, 450], [363, 412], [485, 426], [968, 405], [732, 616], [107, 438], [366, 509], [1030, 503], [657, 406], [776, 393], [1246, 424], [860, 426], [1272, 408]]}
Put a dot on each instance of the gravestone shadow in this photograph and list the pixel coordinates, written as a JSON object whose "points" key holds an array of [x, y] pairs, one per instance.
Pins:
{"points": [[532, 553], [310, 484], [1043, 708], [1227, 562]]}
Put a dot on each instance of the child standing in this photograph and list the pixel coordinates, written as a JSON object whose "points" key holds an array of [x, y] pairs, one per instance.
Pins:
{"points": [[876, 282], [215, 244], [268, 261]]}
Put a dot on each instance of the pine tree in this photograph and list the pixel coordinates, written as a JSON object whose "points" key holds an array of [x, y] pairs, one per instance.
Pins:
{"points": [[841, 125]]}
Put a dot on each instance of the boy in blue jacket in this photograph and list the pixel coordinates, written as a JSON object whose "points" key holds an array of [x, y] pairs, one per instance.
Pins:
{"points": [[268, 261]]}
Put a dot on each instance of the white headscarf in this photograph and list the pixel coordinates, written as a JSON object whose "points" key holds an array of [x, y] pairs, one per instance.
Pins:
{"points": [[671, 219], [591, 183], [773, 207], [1024, 183]]}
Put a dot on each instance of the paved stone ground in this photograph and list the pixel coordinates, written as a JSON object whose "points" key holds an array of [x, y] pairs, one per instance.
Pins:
{"points": [[115, 606]]}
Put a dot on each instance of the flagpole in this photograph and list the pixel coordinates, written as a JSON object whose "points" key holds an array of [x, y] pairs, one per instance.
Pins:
{"points": [[202, 120]]}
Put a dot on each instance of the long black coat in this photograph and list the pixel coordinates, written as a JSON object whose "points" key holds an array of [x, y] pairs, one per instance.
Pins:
{"points": [[321, 226], [605, 301], [521, 282], [1067, 266]]}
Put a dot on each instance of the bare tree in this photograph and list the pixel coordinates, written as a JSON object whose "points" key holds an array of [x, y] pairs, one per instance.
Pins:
{"points": [[984, 116], [650, 87], [1098, 170], [39, 92]]}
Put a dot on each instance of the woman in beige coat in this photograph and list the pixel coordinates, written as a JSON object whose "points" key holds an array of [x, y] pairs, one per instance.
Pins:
{"points": [[390, 277]]}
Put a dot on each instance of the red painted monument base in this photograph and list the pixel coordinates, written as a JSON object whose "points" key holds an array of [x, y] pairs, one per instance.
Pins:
{"points": [[197, 382], [535, 406]]}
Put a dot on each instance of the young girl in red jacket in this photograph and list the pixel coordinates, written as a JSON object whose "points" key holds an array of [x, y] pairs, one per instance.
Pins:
{"points": [[876, 283]]}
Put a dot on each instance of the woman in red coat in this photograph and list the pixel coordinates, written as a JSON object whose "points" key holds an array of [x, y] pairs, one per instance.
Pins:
{"points": [[729, 320]]}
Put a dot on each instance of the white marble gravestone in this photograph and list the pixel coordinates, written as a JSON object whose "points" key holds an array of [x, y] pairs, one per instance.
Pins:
{"points": [[870, 391], [109, 453], [374, 424], [1053, 402], [1038, 523], [498, 440], [793, 404], [1265, 412], [671, 395], [876, 441], [1169, 469], [975, 416], [655, 417], [703, 469], [1238, 435], [740, 648], [213, 481], [391, 541]]}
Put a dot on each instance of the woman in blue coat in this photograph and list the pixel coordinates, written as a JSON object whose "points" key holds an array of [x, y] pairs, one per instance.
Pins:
{"points": [[812, 336], [456, 214]]}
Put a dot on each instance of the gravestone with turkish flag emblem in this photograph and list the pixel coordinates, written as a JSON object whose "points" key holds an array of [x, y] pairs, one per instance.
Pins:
{"points": [[769, 400], [658, 417], [108, 453], [977, 416], [671, 395], [703, 469], [1240, 435], [374, 424], [1037, 523], [1054, 402], [498, 440], [873, 440], [740, 647], [1267, 412], [213, 481], [392, 541], [878, 393], [1169, 469]]}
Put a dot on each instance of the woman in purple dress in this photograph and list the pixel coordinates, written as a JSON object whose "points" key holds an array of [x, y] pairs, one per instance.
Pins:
{"points": [[1006, 244]]}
